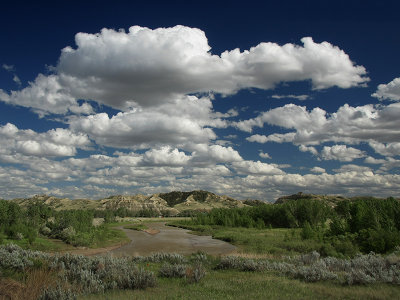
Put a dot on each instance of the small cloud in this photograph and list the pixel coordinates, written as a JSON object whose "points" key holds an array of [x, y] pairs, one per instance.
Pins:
{"points": [[9, 68], [310, 149], [298, 97], [374, 161], [318, 170], [17, 80], [264, 155], [352, 168]]}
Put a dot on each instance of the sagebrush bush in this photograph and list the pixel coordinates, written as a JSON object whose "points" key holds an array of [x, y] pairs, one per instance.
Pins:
{"points": [[309, 258], [234, 262], [195, 273], [84, 274], [199, 256], [228, 262], [362, 269], [316, 272], [173, 258], [58, 293], [192, 273], [172, 270]]}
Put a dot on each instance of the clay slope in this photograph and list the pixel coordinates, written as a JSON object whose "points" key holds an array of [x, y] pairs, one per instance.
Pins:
{"points": [[171, 203]]}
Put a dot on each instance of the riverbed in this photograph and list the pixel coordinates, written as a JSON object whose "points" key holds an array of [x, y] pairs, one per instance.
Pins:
{"points": [[162, 238]]}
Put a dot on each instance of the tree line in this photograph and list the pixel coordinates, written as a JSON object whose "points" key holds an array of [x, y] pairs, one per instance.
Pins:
{"points": [[365, 225]]}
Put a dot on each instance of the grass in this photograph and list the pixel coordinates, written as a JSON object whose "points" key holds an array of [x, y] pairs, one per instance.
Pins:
{"points": [[109, 236], [231, 284], [31, 287], [41, 244], [275, 241], [251, 285]]}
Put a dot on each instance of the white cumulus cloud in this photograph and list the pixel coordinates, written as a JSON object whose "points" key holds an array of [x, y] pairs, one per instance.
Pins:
{"points": [[264, 155], [145, 67], [390, 91], [256, 167], [348, 125], [55, 142], [184, 123], [317, 170], [341, 153]]}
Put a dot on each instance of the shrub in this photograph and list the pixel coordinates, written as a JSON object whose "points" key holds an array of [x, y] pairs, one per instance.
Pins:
{"points": [[86, 274], [346, 247], [68, 233], [196, 273], [58, 293], [307, 232], [358, 277], [45, 230], [172, 258], [309, 258], [229, 262], [199, 256], [11, 258], [234, 262], [172, 271], [316, 272]]}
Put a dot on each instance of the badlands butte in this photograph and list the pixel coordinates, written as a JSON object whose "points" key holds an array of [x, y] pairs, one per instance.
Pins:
{"points": [[172, 204]]}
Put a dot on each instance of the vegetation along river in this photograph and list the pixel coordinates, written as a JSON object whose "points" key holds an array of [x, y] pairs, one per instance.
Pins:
{"points": [[164, 238]]}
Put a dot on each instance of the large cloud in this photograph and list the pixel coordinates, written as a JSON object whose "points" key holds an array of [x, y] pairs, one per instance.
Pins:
{"points": [[145, 67], [55, 142], [184, 123], [390, 91], [349, 125], [166, 156]]}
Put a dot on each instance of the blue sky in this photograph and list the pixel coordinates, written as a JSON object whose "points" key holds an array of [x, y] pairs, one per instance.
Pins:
{"points": [[255, 100]]}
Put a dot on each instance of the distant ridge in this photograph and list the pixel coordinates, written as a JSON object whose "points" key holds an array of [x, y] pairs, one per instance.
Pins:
{"points": [[171, 203]]}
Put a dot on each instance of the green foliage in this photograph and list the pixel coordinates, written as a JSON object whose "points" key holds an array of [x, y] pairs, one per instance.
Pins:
{"points": [[291, 214], [372, 224], [307, 232], [365, 224], [31, 235], [74, 227], [10, 214]]}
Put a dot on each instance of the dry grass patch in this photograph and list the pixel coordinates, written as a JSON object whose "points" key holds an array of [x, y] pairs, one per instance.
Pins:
{"points": [[35, 283]]}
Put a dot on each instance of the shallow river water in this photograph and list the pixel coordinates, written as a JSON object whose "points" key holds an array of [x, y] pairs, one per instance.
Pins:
{"points": [[170, 239]]}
